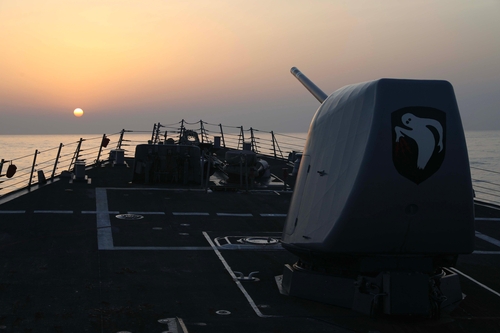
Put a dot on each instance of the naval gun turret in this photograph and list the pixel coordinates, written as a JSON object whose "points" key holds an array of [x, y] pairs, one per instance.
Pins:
{"points": [[383, 202]]}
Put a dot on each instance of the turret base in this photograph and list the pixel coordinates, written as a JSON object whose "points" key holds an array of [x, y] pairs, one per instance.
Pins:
{"points": [[391, 293]]}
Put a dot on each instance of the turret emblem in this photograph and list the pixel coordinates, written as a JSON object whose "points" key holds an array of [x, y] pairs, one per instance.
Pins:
{"points": [[418, 141]]}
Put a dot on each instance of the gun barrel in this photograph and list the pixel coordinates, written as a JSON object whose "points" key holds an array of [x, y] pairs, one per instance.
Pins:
{"points": [[313, 89]]}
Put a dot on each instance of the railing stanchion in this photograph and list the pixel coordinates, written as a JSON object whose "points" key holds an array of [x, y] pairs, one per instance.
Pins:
{"points": [[274, 144], [153, 133], [100, 149], [119, 145], [252, 141], [181, 131], [33, 167], [241, 138], [76, 154], [202, 131], [56, 162], [222, 136], [1, 165], [157, 133], [277, 146]]}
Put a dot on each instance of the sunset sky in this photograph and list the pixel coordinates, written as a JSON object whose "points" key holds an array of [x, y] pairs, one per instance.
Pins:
{"points": [[129, 64]]}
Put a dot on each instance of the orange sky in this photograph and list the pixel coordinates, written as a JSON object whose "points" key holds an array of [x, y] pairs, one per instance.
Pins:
{"points": [[130, 64]]}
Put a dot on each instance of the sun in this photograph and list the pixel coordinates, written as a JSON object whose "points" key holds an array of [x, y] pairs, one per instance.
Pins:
{"points": [[78, 112]]}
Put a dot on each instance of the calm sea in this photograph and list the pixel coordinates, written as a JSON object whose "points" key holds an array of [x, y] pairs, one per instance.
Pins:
{"points": [[483, 147]]}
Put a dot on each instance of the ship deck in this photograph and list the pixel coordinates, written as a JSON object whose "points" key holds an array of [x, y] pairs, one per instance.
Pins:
{"points": [[68, 264]]}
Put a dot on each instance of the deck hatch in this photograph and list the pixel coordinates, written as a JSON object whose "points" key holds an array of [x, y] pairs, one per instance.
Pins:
{"points": [[249, 242], [259, 240], [129, 216]]}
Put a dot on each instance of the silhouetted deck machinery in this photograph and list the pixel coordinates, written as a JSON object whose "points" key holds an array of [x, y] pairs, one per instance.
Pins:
{"points": [[383, 202]]}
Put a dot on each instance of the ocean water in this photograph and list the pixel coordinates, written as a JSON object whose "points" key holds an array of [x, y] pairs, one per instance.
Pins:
{"points": [[484, 159], [483, 148], [52, 154]]}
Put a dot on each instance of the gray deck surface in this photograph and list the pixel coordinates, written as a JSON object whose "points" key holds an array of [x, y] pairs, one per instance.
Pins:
{"points": [[67, 264]]}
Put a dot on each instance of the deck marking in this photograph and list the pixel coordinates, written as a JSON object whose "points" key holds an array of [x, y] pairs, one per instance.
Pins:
{"points": [[486, 252], [163, 248], [94, 212], [235, 279], [487, 238], [235, 214], [12, 211], [190, 214], [53, 212], [273, 215], [155, 189], [487, 219], [147, 213], [183, 326], [475, 281], [104, 233], [485, 204]]}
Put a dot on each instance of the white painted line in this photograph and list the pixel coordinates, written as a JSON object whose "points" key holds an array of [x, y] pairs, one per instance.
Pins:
{"points": [[234, 214], [273, 215], [147, 213], [161, 248], [487, 238], [183, 326], [235, 279], [53, 212], [487, 219], [154, 189], [486, 252], [12, 211], [475, 281], [104, 234], [484, 204], [94, 212], [190, 214]]}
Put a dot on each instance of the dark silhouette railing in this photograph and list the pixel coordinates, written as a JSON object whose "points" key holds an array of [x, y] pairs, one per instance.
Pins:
{"points": [[486, 190], [45, 165]]}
